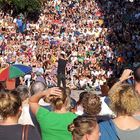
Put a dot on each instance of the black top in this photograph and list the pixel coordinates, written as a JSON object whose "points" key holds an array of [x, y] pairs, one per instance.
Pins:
{"points": [[14, 132], [61, 66]]}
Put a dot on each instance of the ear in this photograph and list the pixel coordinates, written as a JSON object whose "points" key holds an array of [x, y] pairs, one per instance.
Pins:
{"points": [[86, 137], [20, 109]]}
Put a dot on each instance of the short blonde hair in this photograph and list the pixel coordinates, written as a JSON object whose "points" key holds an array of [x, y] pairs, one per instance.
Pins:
{"points": [[124, 100]]}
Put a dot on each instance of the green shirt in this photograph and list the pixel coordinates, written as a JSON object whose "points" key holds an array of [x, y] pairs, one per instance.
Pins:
{"points": [[54, 125], [81, 59]]}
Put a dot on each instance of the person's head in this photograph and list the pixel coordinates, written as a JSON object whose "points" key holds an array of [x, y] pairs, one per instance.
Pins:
{"points": [[59, 102], [37, 87], [68, 92], [84, 128], [91, 104], [124, 100], [81, 97], [9, 106], [62, 55], [70, 100], [23, 92], [137, 74]]}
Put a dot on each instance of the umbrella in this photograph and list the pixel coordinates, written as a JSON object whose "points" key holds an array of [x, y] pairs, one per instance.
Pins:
{"points": [[14, 71]]}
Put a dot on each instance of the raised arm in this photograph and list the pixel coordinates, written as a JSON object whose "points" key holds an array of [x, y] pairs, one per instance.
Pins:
{"points": [[125, 75], [33, 101]]}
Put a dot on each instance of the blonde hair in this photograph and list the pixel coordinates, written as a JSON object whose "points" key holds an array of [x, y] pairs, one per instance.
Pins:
{"points": [[58, 102], [9, 105], [125, 100], [81, 126]]}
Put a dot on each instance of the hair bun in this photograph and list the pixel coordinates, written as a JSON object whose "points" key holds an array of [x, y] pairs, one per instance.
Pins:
{"points": [[57, 102]]}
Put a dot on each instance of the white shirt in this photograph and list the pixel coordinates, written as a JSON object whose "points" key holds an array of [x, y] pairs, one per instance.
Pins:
{"points": [[80, 110], [82, 82], [25, 117], [105, 110]]}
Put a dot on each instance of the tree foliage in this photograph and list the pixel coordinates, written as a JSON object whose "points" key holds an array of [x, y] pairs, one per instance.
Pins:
{"points": [[20, 6]]}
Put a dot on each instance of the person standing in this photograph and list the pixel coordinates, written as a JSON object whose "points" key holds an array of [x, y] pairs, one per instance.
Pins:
{"points": [[54, 123], [10, 111], [84, 128], [62, 61]]}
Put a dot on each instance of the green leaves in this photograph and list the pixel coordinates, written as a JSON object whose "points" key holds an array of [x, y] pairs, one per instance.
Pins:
{"points": [[22, 5], [19, 3], [33, 5]]}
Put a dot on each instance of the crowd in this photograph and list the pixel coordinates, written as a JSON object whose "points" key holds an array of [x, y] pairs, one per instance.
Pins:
{"points": [[98, 38], [47, 114], [82, 45]]}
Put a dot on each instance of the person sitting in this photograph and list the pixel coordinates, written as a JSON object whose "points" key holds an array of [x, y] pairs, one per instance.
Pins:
{"points": [[84, 128]]}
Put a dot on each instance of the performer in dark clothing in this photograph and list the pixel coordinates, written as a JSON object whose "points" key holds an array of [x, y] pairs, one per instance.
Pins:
{"points": [[61, 71]]}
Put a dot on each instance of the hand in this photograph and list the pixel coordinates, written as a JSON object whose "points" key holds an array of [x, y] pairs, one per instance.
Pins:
{"points": [[52, 91], [125, 75]]}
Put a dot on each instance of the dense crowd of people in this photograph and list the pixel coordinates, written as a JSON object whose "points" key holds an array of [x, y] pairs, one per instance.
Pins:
{"points": [[97, 38], [74, 45], [47, 114]]}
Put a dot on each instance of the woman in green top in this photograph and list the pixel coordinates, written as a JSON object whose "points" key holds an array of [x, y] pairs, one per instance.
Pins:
{"points": [[53, 124]]}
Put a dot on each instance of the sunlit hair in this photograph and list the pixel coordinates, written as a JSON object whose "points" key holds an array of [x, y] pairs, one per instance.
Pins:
{"points": [[9, 105], [81, 126], [58, 102], [91, 104], [124, 100]]}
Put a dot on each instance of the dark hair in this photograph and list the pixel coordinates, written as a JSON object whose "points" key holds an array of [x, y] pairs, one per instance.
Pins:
{"points": [[37, 87], [9, 105], [137, 74], [81, 97], [91, 104], [81, 126], [62, 55]]}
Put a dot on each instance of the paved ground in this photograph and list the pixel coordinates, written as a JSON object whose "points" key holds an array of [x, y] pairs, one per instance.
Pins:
{"points": [[75, 93]]}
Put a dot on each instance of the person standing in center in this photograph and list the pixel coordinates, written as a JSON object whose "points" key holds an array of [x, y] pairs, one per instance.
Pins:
{"points": [[62, 61]]}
